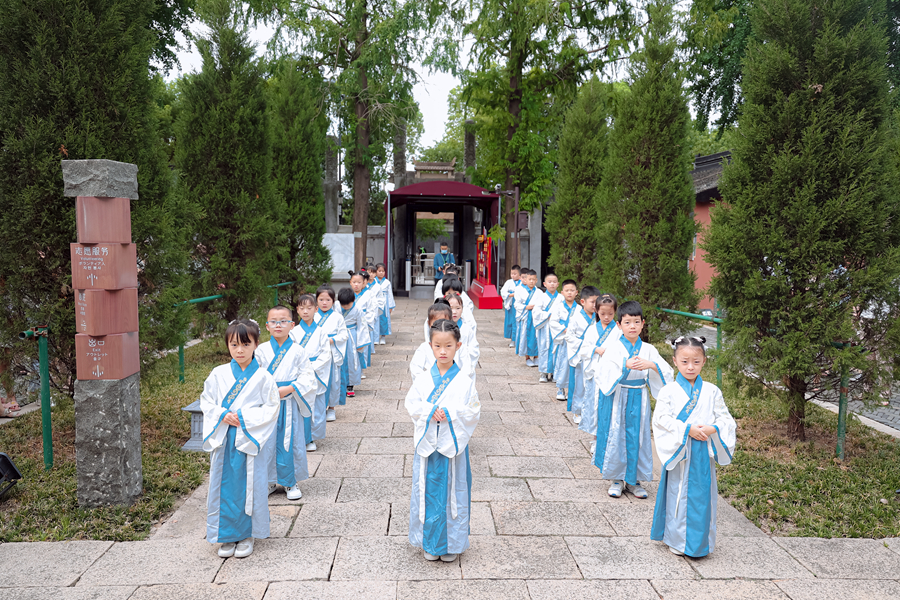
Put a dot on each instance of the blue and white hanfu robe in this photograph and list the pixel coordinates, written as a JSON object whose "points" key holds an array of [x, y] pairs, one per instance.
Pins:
{"points": [[623, 450], [579, 323], [367, 304], [379, 301], [335, 328], [238, 500], [560, 315], [441, 501], [314, 339], [507, 293], [685, 513], [351, 370], [526, 335], [595, 337], [386, 291], [541, 318], [289, 364]]}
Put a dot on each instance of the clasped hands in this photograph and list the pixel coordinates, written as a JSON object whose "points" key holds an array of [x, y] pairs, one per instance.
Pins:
{"points": [[701, 433]]}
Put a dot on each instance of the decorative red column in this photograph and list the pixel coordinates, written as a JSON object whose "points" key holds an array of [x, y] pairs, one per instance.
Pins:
{"points": [[107, 388]]}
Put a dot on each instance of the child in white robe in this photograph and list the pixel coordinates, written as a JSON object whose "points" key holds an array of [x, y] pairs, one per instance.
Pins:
{"points": [[541, 317], [560, 315], [423, 359], [367, 305], [507, 292], [444, 407], [379, 302], [351, 370], [693, 431], [525, 299], [332, 322], [597, 340], [314, 339], [386, 290], [469, 352], [623, 451], [579, 324], [289, 364], [240, 405]]}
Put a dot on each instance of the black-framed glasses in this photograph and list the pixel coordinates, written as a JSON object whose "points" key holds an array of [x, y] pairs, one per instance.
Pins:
{"points": [[279, 323]]}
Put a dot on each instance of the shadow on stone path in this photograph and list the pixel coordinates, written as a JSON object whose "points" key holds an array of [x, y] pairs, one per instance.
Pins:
{"points": [[543, 526]]}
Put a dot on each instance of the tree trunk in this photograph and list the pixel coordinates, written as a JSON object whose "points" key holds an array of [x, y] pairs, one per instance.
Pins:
{"points": [[516, 61], [361, 175], [796, 390]]}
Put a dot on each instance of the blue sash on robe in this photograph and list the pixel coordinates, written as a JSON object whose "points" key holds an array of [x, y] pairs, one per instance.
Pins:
{"points": [[509, 319], [698, 509], [309, 331], [572, 381], [383, 317], [631, 405], [531, 346], [550, 359]]}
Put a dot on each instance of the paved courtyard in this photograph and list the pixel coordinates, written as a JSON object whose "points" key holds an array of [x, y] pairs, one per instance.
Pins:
{"points": [[543, 526]]}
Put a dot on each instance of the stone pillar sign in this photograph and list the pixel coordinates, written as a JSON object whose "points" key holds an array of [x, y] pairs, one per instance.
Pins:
{"points": [[104, 276]]}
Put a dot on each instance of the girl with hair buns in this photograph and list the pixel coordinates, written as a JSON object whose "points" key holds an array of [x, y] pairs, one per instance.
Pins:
{"points": [[444, 408], [240, 403], [693, 431]]}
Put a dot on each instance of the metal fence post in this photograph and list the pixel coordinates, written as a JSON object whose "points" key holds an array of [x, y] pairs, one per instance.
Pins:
{"points": [[718, 347], [181, 363], [842, 414], [41, 334]]}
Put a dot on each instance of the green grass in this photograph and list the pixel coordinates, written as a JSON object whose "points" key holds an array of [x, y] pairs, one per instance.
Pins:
{"points": [[43, 506]]}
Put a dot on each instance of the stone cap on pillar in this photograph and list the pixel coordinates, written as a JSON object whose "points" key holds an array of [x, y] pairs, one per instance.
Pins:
{"points": [[100, 178]]}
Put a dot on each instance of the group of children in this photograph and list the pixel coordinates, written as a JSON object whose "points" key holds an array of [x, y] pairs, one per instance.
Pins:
{"points": [[266, 409], [592, 350]]}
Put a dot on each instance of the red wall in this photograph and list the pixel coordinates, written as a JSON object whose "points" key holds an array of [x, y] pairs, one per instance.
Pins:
{"points": [[698, 264]]}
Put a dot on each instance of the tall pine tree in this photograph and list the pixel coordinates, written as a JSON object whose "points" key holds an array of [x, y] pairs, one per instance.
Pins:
{"points": [[299, 126], [582, 152], [805, 240], [646, 198], [75, 84], [223, 155]]}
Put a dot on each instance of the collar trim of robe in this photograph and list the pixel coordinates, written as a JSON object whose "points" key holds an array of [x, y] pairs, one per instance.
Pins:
{"points": [[280, 352]]}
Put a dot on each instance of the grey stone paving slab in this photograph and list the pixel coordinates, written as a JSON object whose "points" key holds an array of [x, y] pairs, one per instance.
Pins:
{"points": [[839, 589], [316, 489], [404, 430], [356, 465], [155, 562], [502, 405], [281, 518], [563, 490], [375, 489], [372, 403], [532, 418], [841, 558], [550, 518], [749, 558], [332, 590], [529, 466], [189, 521], [627, 519], [389, 558], [399, 524], [350, 414], [358, 430], [481, 522], [313, 459], [595, 590], [287, 559], [387, 416], [389, 445], [583, 468], [502, 489], [725, 590], [508, 431], [337, 446], [488, 417], [627, 558], [342, 518], [545, 406], [391, 395], [514, 557], [470, 590], [731, 523], [565, 432], [47, 563], [203, 591], [548, 447], [490, 447], [68, 593]]}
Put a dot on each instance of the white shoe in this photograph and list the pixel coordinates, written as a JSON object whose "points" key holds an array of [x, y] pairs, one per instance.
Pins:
{"points": [[448, 558], [330, 415], [576, 419], [272, 487], [671, 549], [561, 395], [244, 548], [311, 447], [294, 493], [381, 341], [543, 378], [226, 550], [362, 376], [431, 556], [638, 491], [529, 362], [615, 490], [512, 345]]}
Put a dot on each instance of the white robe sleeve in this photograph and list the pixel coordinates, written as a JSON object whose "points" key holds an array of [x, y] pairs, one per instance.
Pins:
{"points": [[588, 345], [519, 301], [558, 312], [610, 369], [305, 385], [389, 295], [420, 363], [258, 418], [655, 380], [725, 439], [213, 413], [462, 416], [339, 335], [670, 434]]}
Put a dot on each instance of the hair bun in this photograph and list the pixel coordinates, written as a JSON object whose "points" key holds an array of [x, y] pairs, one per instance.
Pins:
{"points": [[700, 339]]}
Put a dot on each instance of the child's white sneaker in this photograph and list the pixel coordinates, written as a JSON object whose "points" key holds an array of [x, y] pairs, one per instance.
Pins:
{"points": [[512, 345], [381, 341], [543, 378], [330, 415], [671, 549], [638, 491], [311, 447], [576, 419], [272, 487], [561, 395], [226, 550], [294, 493], [244, 548], [431, 557], [448, 558], [615, 490], [363, 376]]}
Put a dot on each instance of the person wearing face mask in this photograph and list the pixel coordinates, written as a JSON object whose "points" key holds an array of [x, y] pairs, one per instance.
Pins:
{"points": [[441, 260]]}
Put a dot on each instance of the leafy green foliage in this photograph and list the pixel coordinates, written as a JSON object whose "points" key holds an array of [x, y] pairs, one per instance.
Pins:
{"points": [[646, 198], [223, 156], [805, 241], [430, 229], [169, 18], [74, 84]]}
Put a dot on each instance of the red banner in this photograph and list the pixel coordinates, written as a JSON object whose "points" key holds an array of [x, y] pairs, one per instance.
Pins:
{"points": [[483, 260]]}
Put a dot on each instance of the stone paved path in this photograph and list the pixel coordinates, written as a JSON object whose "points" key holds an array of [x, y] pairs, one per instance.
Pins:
{"points": [[543, 526]]}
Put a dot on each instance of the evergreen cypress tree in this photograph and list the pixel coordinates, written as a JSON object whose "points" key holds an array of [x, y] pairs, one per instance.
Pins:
{"points": [[646, 198], [572, 215], [299, 127], [805, 240], [223, 155], [74, 84]]}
